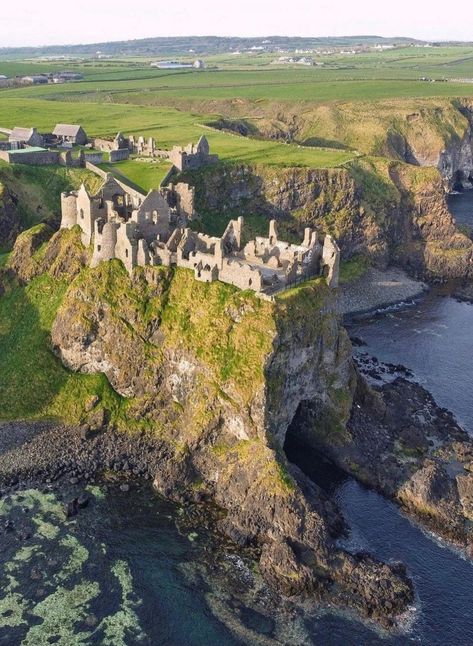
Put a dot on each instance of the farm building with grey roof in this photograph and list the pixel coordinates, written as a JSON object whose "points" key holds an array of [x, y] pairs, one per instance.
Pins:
{"points": [[28, 136], [70, 134]]}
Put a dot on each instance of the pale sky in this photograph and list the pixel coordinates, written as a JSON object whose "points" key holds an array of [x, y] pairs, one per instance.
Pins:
{"points": [[57, 22]]}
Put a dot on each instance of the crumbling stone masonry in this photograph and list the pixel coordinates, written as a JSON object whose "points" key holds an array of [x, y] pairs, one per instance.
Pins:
{"points": [[145, 230], [193, 156]]}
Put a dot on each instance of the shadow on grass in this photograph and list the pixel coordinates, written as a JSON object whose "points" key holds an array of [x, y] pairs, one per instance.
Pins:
{"points": [[320, 142]]}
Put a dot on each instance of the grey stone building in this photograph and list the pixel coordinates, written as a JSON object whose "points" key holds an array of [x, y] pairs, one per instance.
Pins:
{"points": [[70, 134], [25, 136], [143, 230]]}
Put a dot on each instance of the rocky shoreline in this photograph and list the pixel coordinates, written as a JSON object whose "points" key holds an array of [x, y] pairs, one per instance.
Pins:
{"points": [[402, 444], [377, 289], [65, 460], [49, 453], [425, 467]]}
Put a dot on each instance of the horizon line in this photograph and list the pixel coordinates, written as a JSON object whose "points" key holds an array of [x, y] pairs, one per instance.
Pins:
{"points": [[143, 38]]}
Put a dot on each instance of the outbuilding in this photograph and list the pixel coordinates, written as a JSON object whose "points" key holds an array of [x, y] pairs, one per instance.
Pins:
{"points": [[36, 79], [27, 136], [70, 134]]}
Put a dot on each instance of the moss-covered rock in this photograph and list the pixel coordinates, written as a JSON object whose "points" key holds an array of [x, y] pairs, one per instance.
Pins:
{"points": [[211, 375], [39, 250]]}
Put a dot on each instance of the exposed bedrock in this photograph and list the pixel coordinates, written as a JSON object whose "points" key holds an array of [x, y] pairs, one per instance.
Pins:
{"points": [[388, 211], [401, 443], [456, 159], [456, 163], [216, 375], [10, 223], [451, 150]]}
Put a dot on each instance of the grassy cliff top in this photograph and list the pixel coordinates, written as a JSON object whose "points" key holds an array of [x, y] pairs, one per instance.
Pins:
{"points": [[228, 331]]}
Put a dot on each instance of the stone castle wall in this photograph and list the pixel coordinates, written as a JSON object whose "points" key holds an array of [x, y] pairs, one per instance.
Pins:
{"points": [[143, 230], [35, 157], [331, 261], [93, 157], [185, 199], [119, 155]]}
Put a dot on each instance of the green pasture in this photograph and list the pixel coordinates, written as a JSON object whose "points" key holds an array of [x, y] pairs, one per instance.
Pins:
{"points": [[270, 84], [168, 125]]}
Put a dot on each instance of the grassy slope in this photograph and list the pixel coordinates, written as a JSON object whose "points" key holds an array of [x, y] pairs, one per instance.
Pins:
{"points": [[33, 382], [169, 126], [260, 83], [38, 190], [426, 124], [44, 184]]}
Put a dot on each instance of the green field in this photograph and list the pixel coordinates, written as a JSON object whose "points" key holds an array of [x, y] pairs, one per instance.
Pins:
{"points": [[366, 76], [401, 62], [141, 175], [174, 105], [265, 83], [168, 125]]}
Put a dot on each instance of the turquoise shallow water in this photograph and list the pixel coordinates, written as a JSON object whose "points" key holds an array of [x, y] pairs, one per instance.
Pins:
{"points": [[123, 573], [126, 570], [113, 575]]}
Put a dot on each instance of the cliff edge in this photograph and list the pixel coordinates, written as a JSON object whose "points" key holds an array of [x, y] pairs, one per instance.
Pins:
{"points": [[211, 376]]}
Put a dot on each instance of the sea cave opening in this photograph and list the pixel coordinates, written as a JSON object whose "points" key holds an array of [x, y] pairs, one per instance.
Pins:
{"points": [[300, 448]]}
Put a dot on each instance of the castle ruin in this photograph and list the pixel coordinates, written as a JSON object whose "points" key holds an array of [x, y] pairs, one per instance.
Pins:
{"points": [[192, 156], [145, 230]]}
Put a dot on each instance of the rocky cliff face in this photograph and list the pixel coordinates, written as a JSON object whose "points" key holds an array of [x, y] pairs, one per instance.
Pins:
{"points": [[423, 132], [455, 161], [401, 443], [389, 211], [10, 223], [214, 375]]}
